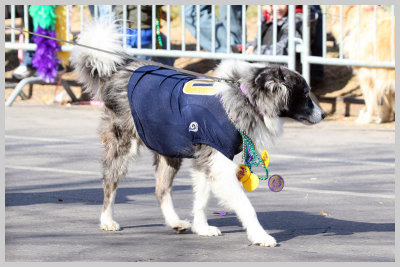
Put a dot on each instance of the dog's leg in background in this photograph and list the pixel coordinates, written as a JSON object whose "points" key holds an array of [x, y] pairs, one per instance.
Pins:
{"points": [[385, 88], [166, 169], [369, 95], [387, 109], [226, 187], [120, 146], [202, 190]]}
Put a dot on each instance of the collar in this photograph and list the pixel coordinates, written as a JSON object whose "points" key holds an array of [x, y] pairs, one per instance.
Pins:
{"points": [[246, 94]]}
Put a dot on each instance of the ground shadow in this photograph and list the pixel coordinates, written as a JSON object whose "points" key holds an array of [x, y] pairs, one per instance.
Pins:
{"points": [[92, 196], [289, 224], [295, 223]]}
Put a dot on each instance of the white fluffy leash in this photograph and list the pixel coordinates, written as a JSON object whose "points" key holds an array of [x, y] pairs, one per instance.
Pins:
{"points": [[188, 72]]}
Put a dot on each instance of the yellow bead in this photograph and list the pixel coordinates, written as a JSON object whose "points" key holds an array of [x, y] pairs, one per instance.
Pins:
{"points": [[243, 173], [265, 158], [252, 183]]}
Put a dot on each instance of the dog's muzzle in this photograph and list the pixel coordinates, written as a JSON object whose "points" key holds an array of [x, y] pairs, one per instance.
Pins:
{"points": [[316, 116]]}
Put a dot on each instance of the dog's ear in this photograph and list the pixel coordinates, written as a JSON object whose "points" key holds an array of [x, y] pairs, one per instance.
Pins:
{"points": [[270, 74], [280, 74]]}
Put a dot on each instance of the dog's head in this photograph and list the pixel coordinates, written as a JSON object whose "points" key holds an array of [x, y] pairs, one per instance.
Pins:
{"points": [[290, 94]]}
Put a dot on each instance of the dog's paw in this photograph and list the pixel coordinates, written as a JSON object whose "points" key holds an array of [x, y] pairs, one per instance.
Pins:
{"points": [[363, 117], [110, 226], [263, 240], [181, 226], [206, 230]]}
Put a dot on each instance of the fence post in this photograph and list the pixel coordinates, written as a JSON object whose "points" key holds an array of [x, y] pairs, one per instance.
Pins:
{"points": [[244, 33], [306, 44], [139, 26], [12, 23], [183, 43], [291, 45]]}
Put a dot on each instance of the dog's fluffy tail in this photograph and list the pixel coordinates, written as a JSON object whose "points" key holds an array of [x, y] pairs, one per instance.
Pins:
{"points": [[92, 66]]}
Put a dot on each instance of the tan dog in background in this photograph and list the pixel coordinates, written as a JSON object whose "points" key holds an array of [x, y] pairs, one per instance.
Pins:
{"points": [[377, 84]]}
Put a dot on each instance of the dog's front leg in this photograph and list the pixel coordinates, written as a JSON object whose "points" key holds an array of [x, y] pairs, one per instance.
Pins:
{"points": [[226, 187]]}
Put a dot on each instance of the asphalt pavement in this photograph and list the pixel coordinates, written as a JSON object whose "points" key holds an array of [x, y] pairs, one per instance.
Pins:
{"points": [[338, 203]]}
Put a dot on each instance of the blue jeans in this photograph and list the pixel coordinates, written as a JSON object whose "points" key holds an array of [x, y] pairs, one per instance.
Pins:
{"points": [[220, 26], [317, 70], [103, 10], [28, 55]]}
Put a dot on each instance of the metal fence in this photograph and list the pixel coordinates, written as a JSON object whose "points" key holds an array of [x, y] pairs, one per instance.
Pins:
{"points": [[307, 58], [294, 45]]}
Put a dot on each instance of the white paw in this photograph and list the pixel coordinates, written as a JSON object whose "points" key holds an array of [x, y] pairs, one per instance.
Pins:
{"points": [[206, 230], [110, 226], [181, 226], [363, 118], [263, 240]]}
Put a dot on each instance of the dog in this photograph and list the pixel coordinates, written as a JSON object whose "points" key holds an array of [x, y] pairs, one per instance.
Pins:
{"points": [[267, 94], [377, 84]]}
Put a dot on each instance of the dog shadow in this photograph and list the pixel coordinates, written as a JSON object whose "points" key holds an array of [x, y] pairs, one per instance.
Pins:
{"points": [[92, 196], [292, 224], [284, 225]]}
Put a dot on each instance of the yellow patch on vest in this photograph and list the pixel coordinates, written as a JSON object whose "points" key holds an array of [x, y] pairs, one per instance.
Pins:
{"points": [[200, 87]]}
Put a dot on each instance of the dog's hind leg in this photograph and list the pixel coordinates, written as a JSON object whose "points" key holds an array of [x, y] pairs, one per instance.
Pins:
{"points": [[226, 187], [202, 190], [120, 145], [166, 169]]}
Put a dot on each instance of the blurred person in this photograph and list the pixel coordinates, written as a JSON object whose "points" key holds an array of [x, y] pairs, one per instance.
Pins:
{"points": [[317, 70], [220, 26], [146, 30], [283, 34], [282, 31]]}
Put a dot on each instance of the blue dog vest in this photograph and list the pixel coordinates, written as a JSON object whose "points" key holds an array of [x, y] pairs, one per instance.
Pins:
{"points": [[173, 112]]}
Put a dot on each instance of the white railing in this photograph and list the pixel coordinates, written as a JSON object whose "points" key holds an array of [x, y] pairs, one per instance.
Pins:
{"points": [[298, 45]]}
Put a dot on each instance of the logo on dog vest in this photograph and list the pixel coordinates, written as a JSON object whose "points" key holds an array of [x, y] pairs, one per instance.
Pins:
{"points": [[193, 127], [200, 87]]}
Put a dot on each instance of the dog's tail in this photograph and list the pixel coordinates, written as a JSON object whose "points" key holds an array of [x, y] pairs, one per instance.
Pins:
{"points": [[93, 66]]}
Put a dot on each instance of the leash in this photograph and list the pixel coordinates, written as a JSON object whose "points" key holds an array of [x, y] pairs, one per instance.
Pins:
{"points": [[188, 72]]}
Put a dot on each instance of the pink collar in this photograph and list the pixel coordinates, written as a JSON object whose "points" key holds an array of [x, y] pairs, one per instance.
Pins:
{"points": [[244, 91]]}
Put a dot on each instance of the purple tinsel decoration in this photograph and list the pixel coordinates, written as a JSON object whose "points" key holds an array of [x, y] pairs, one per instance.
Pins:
{"points": [[45, 60]]}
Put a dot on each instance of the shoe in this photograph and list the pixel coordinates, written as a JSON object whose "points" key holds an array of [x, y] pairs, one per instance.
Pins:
{"points": [[22, 72]]}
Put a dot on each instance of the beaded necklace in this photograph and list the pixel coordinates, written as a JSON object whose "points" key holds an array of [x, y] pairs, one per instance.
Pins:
{"points": [[158, 31], [250, 158]]}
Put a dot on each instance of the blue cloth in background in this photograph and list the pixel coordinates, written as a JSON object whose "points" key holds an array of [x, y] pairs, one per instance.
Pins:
{"points": [[132, 36]]}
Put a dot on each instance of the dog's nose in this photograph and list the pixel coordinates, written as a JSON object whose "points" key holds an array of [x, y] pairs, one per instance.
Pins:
{"points": [[323, 115]]}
